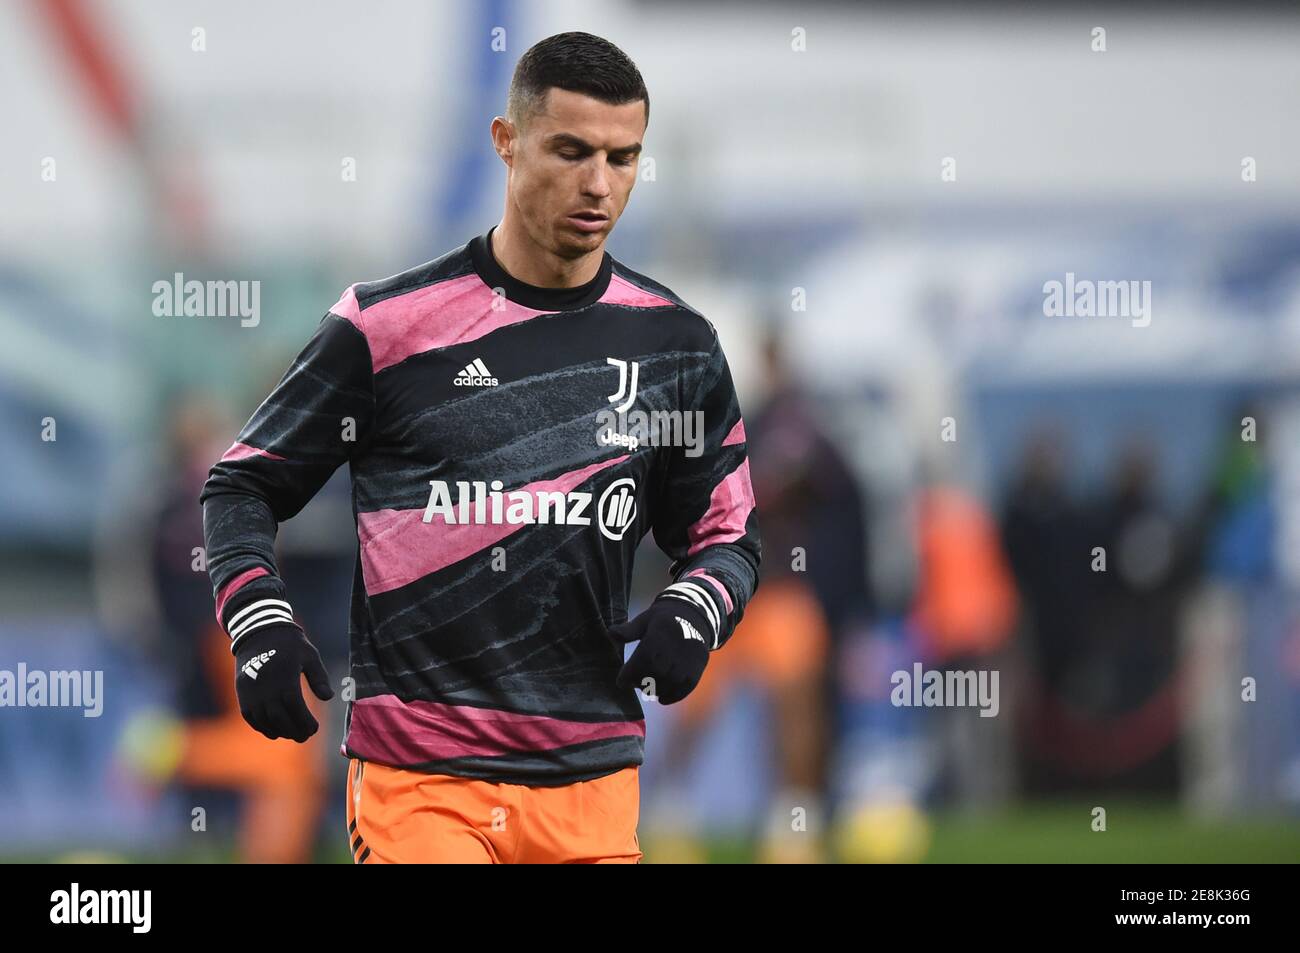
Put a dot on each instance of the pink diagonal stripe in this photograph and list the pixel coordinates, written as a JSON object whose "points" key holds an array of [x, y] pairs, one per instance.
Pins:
{"points": [[450, 312], [622, 291], [240, 451], [729, 507], [230, 588], [398, 547], [737, 434], [347, 307], [389, 730], [722, 590]]}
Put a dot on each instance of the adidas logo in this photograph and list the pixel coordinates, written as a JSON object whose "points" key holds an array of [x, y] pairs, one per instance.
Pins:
{"points": [[475, 374], [253, 665], [688, 631]]}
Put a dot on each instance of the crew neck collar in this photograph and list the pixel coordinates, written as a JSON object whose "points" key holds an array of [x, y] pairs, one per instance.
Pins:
{"points": [[532, 296]]}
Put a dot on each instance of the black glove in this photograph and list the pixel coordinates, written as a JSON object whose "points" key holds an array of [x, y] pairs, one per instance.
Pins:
{"points": [[269, 664], [675, 637]]}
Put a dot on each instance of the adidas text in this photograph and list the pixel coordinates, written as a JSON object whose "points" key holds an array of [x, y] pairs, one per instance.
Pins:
{"points": [[254, 665], [475, 374]]}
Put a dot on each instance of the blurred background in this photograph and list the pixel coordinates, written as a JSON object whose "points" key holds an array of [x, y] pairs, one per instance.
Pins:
{"points": [[870, 202]]}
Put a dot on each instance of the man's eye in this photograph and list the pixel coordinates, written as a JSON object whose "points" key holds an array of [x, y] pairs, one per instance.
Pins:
{"points": [[625, 161], [570, 155]]}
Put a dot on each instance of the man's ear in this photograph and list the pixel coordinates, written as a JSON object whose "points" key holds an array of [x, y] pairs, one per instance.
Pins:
{"points": [[503, 139]]}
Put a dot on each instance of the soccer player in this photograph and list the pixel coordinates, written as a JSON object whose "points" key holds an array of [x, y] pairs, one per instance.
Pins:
{"points": [[516, 414]]}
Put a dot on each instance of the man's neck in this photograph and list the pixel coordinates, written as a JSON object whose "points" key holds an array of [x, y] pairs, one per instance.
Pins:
{"points": [[525, 261]]}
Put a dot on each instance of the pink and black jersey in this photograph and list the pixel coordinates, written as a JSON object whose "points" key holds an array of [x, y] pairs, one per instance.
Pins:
{"points": [[509, 447]]}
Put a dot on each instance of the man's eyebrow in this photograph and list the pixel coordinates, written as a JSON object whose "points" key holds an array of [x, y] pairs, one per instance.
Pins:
{"points": [[569, 139]]}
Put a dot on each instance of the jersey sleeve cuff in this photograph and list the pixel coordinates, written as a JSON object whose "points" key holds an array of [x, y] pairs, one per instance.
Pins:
{"points": [[703, 600], [256, 605]]}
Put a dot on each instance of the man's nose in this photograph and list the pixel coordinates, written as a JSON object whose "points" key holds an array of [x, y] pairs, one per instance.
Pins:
{"points": [[596, 182]]}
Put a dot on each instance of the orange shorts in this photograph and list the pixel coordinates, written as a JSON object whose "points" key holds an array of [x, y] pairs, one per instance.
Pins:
{"points": [[397, 816]]}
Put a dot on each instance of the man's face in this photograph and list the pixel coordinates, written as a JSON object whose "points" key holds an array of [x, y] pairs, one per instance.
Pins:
{"points": [[572, 168]]}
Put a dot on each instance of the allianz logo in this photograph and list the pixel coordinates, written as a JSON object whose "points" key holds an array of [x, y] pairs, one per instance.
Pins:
{"points": [[481, 501]]}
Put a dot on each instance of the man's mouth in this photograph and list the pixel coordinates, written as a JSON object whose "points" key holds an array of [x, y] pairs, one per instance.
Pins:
{"points": [[588, 221]]}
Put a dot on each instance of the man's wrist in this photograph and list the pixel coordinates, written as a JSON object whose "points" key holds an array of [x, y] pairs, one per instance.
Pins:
{"points": [[255, 607], [690, 602], [263, 637]]}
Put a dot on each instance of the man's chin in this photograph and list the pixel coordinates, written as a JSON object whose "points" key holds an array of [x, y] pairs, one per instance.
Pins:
{"points": [[574, 244]]}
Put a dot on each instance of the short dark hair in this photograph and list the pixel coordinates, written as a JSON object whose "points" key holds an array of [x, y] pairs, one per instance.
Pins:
{"points": [[580, 63]]}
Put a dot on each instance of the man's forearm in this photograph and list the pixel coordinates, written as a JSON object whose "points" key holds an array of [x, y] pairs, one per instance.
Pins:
{"points": [[239, 535]]}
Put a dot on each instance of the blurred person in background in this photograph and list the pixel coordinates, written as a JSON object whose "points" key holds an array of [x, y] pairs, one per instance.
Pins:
{"points": [[1127, 681], [204, 746], [964, 617], [1043, 535], [813, 585], [1234, 528], [1103, 580], [1232, 553]]}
